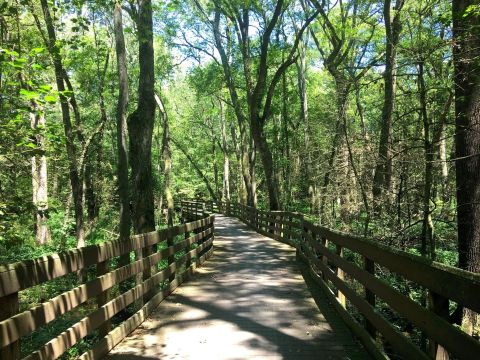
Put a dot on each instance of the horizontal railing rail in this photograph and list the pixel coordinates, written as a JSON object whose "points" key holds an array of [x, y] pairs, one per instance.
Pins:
{"points": [[179, 258], [352, 282], [194, 209]]}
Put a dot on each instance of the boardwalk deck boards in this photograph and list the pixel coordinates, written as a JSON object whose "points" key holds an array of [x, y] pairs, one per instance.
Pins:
{"points": [[248, 301]]}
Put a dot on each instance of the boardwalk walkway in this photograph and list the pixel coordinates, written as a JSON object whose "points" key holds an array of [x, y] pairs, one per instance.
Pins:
{"points": [[249, 301]]}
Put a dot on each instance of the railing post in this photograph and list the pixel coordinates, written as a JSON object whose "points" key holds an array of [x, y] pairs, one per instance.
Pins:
{"points": [[440, 306], [341, 276], [171, 258], [188, 262], [9, 306], [369, 266], [303, 238], [324, 258], [102, 299]]}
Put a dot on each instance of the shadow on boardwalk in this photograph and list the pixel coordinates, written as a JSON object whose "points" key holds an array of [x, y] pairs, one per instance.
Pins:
{"points": [[249, 301]]}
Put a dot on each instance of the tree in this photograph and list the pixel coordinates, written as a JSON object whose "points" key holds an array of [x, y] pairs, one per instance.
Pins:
{"points": [[167, 160], [39, 176], [141, 122], [122, 136], [73, 159], [466, 57], [393, 28]]}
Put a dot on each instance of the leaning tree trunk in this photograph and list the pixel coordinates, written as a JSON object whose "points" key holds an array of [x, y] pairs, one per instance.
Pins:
{"points": [[39, 178], [466, 55]]}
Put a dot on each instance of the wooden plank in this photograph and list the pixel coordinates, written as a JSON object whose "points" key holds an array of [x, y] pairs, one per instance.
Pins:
{"points": [[341, 275], [369, 266], [28, 321], [455, 284], [57, 346], [102, 298], [436, 327], [22, 275], [356, 328], [119, 333], [399, 342], [71, 336], [9, 306]]}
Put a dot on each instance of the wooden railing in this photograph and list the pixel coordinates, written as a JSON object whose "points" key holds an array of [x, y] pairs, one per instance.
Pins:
{"points": [[344, 267], [194, 209], [174, 260]]}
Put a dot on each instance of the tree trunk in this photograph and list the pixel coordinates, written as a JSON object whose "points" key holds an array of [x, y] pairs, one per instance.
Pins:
{"points": [[428, 241], [383, 170], [214, 158], [122, 136], [466, 52], [167, 161], [226, 161], [302, 89], [341, 94], [39, 177], [75, 180], [140, 126], [267, 162]]}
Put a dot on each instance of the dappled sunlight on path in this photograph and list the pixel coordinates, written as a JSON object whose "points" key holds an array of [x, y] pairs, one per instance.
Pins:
{"points": [[248, 301]]}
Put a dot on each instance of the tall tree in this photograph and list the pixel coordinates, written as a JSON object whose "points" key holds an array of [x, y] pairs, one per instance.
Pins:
{"points": [[393, 28], [122, 137], [466, 57], [167, 161], [141, 122], [39, 175], [260, 88], [73, 160], [226, 160]]}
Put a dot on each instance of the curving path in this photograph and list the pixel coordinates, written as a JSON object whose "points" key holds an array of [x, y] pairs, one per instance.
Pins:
{"points": [[249, 301]]}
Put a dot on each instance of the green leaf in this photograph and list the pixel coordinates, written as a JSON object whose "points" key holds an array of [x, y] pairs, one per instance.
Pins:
{"points": [[51, 99], [45, 87], [37, 50], [30, 95], [37, 67]]}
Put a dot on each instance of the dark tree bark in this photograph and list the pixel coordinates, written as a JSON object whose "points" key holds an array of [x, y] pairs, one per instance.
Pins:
{"points": [[140, 125], [383, 171], [466, 55]]}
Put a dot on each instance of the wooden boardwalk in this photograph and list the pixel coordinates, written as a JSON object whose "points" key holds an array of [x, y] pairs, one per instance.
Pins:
{"points": [[248, 301]]}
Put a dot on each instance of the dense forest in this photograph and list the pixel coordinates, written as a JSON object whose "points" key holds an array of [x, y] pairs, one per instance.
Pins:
{"points": [[363, 114]]}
